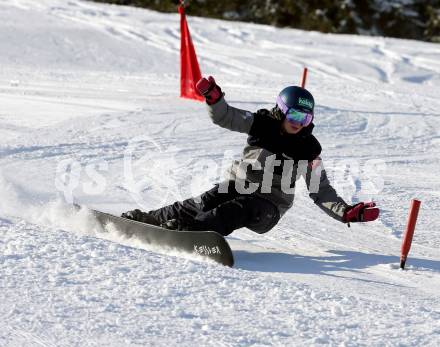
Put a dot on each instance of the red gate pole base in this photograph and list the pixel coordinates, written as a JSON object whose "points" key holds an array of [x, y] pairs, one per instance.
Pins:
{"points": [[402, 263]]}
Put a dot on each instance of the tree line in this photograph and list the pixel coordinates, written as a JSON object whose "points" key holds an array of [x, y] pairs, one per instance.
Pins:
{"points": [[410, 19]]}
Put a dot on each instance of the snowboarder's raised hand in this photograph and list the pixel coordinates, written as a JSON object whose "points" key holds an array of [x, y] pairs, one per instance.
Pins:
{"points": [[361, 212], [209, 89]]}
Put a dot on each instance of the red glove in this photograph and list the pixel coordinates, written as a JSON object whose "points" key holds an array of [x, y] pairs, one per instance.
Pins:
{"points": [[362, 212], [209, 89]]}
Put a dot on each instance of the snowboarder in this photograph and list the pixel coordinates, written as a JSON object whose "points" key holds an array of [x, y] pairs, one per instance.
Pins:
{"points": [[259, 189]]}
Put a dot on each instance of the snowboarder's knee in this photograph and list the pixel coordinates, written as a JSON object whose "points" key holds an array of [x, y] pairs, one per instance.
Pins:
{"points": [[264, 215]]}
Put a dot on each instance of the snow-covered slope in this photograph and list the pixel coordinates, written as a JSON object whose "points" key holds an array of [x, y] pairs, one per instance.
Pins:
{"points": [[87, 90]]}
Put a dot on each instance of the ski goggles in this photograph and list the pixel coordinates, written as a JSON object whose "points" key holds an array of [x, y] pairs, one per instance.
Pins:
{"points": [[295, 116], [299, 117]]}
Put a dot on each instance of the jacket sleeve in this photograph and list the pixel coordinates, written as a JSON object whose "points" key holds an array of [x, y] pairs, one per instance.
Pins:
{"points": [[322, 193], [230, 117]]}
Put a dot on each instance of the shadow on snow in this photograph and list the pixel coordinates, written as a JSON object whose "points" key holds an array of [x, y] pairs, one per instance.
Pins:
{"points": [[340, 261]]}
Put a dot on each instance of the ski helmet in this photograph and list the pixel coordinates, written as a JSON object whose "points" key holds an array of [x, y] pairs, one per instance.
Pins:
{"points": [[293, 99]]}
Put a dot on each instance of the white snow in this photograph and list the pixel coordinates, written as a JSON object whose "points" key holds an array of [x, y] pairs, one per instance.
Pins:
{"points": [[89, 92]]}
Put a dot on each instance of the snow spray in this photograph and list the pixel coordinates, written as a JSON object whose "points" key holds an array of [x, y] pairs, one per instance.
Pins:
{"points": [[410, 226]]}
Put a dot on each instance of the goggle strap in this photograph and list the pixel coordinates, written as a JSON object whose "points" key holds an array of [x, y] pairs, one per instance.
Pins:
{"points": [[283, 107]]}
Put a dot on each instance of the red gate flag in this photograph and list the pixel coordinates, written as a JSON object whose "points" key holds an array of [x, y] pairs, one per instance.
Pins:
{"points": [[189, 66]]}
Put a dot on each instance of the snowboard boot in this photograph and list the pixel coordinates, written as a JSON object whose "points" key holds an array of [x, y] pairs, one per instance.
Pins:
{"points": [[139, 216], [170, 224]]}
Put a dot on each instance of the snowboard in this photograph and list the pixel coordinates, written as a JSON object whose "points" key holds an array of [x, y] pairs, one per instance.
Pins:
{"points": [[207, 244]]}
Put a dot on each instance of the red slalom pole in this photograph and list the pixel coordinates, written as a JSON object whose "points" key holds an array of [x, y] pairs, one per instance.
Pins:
{"points": [[410, 226], [304, 78]]}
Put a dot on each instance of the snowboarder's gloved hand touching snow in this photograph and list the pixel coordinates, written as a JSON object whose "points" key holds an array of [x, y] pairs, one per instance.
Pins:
{"points": [[140, 216], [361, 212], [209, 89]]}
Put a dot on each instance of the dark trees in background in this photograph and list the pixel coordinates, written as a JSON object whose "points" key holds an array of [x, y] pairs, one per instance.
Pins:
{"points": [[412, 19]]}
